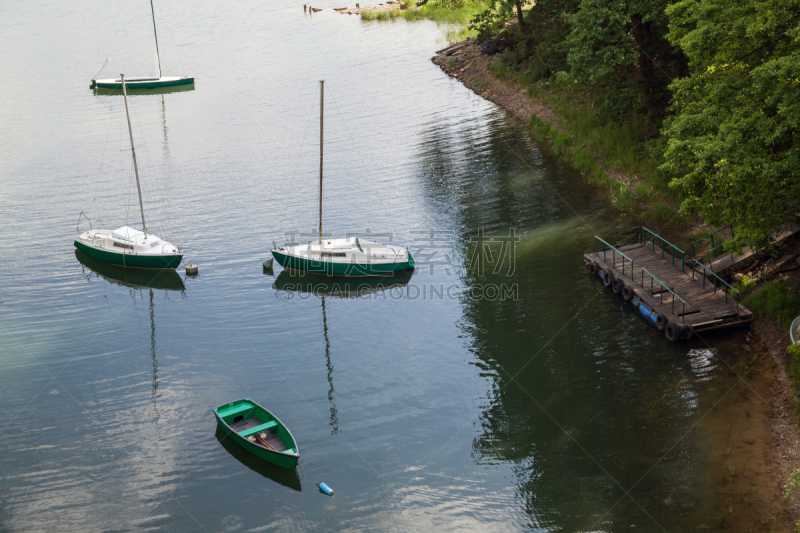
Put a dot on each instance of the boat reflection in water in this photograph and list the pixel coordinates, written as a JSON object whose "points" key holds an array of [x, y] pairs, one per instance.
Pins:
{"points": [[285, 477], [134, 278], [138, 279], [321, 286], [339, 287]]}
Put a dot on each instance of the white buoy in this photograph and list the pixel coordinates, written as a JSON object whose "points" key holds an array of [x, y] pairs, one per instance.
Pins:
{"points": [[191, 269]]}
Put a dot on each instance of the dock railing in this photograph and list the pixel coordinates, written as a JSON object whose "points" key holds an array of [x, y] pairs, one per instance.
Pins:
{"points": [[718, 281], [717, 241], [614, 253], [653, 281], [664, 244]]}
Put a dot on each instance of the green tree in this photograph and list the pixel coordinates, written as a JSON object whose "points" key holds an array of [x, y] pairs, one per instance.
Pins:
{"points": [[497, 12], [619, 48], [732, 144]]}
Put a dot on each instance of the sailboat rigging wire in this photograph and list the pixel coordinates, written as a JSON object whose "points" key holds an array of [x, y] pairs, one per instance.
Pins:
{"points": [[104, 64], [159, 222], [102, 161], [355, 146]]}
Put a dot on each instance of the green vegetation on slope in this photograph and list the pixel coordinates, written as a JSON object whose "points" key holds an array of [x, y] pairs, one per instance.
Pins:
{"points": [[776, 301], [699, 100]]}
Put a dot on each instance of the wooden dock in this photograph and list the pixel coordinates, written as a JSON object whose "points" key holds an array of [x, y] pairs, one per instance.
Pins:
{"points": [[681, 297]]}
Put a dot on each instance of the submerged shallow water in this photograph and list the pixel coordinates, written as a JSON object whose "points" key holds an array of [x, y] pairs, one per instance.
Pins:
{"points": [[500, 388]]}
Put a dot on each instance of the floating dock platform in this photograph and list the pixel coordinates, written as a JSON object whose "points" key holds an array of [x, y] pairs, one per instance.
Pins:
{"points": [[679, 296]]}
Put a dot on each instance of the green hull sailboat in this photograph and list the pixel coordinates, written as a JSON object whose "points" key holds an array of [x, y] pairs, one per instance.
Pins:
{"points": [[135, 278], [142, 83], [145, 83], [126, 246], [136, 249], [258, 431], [349, 256]]}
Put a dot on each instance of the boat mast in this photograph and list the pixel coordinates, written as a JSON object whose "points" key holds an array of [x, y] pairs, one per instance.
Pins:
{"points": [[158, 58], [133, 151], [321, 104]]}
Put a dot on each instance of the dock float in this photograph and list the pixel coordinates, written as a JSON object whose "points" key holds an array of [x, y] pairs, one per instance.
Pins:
{"points": [[679, 297]]}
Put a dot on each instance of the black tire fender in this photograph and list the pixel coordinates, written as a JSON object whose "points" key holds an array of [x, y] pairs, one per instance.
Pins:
{"points": [[608, 278], [627, 293], [672, 332], [617, 285], [594, 268], [661, 322], [685, 332]]}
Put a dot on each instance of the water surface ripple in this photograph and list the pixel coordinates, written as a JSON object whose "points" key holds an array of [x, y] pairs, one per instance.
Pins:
{"points": [[424, 411]]}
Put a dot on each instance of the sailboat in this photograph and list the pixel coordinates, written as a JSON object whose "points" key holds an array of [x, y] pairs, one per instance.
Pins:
{"points": [[347, 256], [127, 246], [145, 83]]}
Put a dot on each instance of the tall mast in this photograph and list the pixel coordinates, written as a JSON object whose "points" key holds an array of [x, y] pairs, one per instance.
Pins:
{"points": [[158, 58], [133, 151], [321, 104]]}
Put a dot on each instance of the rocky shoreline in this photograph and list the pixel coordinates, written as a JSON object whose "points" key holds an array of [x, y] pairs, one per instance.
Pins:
{"points": [[465, 62]]}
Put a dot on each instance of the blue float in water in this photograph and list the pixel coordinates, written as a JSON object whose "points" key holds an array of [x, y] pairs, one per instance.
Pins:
{"points": [[325, 488]]}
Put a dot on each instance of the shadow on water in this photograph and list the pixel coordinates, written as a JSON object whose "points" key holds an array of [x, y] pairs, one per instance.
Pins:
{"points": [[334, 423], [583, 397], [336, 286], [308, 285], [138, 279], [320, 286], [135, 278], [283, 476]]}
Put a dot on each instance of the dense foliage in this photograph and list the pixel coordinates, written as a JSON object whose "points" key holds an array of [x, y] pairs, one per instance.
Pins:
{"points": [[733, 143], [620, 47], [718, 82]]}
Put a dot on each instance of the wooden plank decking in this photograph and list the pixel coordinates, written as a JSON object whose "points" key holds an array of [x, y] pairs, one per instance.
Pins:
{"points": [[703, 309]]}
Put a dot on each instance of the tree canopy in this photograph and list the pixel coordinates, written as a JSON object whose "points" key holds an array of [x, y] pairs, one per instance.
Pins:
{"points": [[620, 47], [718, 80], [732, 140]]}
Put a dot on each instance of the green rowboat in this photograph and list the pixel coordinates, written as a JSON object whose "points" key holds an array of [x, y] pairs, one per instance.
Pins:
{"points": [[258, 431]]}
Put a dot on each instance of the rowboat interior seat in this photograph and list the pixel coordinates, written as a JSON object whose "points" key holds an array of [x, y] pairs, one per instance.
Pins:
{"points": [[267, 431]]}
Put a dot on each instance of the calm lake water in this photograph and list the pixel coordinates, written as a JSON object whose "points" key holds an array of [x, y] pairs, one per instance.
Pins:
{"points": [[503, 391]]}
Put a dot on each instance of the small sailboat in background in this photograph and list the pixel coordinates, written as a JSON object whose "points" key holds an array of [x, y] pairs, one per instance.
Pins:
{"points": [[348, 256], [127, 246], [145, 83]]}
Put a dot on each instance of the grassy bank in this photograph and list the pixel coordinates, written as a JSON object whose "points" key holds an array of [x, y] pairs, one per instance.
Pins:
{"points": [[446, 12], [629, 149], [581, 159], [608, 155], [777, 301]]}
